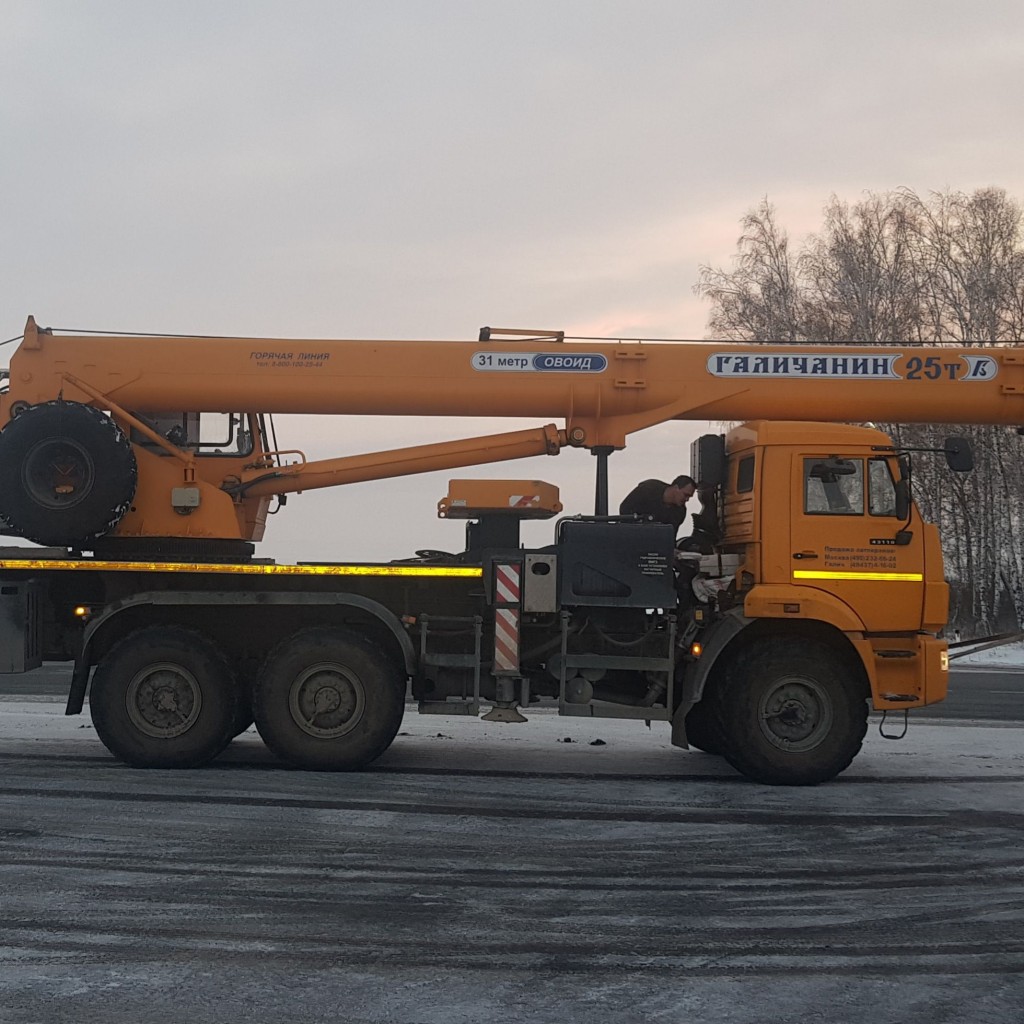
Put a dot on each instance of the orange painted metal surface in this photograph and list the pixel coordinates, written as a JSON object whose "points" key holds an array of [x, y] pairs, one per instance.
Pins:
{"points": [[603, 390], [522, 499]]}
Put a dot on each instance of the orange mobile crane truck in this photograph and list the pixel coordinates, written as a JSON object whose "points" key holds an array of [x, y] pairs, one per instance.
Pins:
{"points": [[146, 465]]}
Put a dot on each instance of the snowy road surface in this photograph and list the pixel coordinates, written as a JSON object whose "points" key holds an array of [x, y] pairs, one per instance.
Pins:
{"points": [[487, 873]]}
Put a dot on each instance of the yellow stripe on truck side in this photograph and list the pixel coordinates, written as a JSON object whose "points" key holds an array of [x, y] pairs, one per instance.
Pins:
{"points": [[896, 577], [245, 569]]}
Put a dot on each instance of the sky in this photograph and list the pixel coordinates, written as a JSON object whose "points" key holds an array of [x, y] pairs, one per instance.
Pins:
{"points": [[413, 169]]}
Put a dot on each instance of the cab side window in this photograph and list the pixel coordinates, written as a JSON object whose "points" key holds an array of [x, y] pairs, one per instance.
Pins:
{"points": [[745, 475], [881, 488], [207, 433], [224, 433], [834, 487]]}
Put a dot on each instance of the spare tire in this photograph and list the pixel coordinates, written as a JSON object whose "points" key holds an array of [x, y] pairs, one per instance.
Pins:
{"points": [[67, 473]]}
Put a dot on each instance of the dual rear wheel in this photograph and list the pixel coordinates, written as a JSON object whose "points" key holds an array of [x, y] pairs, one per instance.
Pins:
{"points": [[324, 699], [328, 700], [164, 697]]}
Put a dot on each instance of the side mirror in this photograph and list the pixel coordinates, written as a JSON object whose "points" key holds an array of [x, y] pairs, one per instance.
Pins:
{"points": [[903, 499], [829, 469], [708, 464], [959, 456]]}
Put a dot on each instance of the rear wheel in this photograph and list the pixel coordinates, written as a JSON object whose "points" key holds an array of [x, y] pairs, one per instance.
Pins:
{"points": [[67, 473], [328, 700], [164, 697], [791, 712]]}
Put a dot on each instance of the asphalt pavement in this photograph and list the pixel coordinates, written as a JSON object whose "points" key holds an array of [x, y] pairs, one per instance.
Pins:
{"points": [[510, 874], [981, 694]]}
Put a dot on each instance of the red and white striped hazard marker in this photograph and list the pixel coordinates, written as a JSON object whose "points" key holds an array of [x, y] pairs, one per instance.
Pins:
{"points": [[506, 618]]}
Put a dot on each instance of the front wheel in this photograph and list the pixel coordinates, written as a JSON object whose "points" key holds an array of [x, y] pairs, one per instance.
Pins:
{"points": [[703, 731], [164, 697], [792, 712], [328, 700]]}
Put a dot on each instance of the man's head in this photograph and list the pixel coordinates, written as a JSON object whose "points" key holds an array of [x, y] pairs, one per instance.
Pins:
{"points": [[680, 490]]}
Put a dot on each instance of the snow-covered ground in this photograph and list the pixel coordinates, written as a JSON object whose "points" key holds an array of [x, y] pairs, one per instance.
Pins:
{"points": [[510, 874], [38, 722], [560, 871], [554, 746]]}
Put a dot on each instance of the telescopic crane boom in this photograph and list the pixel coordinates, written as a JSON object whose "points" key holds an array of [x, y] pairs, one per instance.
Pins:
{"points": [[604, 391]]}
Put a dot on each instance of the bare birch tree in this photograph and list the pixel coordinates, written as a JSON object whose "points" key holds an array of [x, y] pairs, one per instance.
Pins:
{"points": [[759, 299]]}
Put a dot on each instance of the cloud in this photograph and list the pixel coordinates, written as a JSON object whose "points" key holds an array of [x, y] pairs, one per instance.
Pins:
{"points": [[408, 170]]}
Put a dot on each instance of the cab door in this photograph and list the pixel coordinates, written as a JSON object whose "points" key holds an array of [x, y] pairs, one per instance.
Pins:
{"points": [[845, 539]]}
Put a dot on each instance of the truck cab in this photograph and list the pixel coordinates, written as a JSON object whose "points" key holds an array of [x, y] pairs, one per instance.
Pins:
{"points": [[830, 542]]}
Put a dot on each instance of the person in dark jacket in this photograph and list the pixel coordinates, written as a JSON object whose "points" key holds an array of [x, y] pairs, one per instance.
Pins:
{"points": [[664, 503]]}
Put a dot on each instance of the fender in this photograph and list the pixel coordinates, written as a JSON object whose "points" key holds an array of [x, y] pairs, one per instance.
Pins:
{"points": [[724, 630], [777, 600], [83, 660], [764, 602]]}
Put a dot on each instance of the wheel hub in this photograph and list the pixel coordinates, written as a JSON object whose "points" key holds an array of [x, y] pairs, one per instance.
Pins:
{"points": [[58, 473], [795, 714], [327, 700], [164, 700]]}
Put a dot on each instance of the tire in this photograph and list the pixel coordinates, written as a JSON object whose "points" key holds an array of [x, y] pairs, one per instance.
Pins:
{"points": [[164, 697], [67, 474], [703, 731], [792, 712], [328, 701], [243, 711]]}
